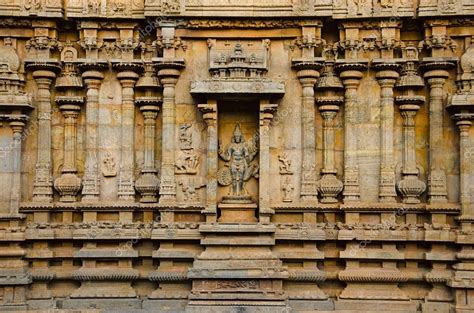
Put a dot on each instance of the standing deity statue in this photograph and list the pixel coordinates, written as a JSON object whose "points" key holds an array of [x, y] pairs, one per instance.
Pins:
{"points": [[239, 154]]}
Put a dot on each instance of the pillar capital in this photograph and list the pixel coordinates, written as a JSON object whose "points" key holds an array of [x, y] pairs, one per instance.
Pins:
{"points": [[209, 112], [17, 126], [387, 74], [92, 78]]}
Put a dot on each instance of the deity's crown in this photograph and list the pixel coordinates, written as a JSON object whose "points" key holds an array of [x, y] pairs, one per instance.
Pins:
{"points": [[237, 131]]}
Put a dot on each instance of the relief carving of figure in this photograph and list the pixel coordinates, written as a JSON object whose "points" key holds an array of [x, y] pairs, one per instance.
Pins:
{"points": [[190, 189], [239, 154], [187, 162], [108, 166], [185, 136], [93, 7], [34, 5], [285, 164], [287, 188], [447, 5]]}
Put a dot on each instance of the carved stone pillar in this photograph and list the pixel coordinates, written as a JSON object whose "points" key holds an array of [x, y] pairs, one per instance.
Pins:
{"points": [[436, 75], [461, 109], [266, 115], [69, 184], [410, 186], [465, 164], [147, 185], [91, 179], [43, 183], [17, 125], [308, 77], [350, 75], [386, 76], [168, 79], [209, 111], [329, 185], [126, 190], [462, 281]]}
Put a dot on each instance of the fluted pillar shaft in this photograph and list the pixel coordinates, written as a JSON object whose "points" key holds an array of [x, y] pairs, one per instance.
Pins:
{"points": [[168, 78], [43, 184], [386, 80], [91, 178], [126, 189]]}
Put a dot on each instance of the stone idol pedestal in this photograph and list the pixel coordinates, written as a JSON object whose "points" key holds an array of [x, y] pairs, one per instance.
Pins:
{"points": [[237, 209], [237, 271]]}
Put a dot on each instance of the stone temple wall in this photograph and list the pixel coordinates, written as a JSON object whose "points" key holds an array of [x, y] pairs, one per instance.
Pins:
{"points": [[237, 156]]}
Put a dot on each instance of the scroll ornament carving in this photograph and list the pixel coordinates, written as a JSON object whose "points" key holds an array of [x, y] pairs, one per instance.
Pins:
{"points": [[34, 5], [41, 43], [438, 42], [163, 42], [308, 42], [351, 45], [237, 284], [170, 6], [448, 6]]}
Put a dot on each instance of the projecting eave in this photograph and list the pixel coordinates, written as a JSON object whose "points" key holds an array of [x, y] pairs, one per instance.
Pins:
{"points": [[231, 88]]}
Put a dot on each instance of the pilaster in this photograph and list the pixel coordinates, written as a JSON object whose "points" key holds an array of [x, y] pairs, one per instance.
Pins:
{"points": [[209, 111], [128, 77], [308, 75], [386, 76], [266, 115], [91, 181], [168, 78], [436, 74], [350, 74], [43, 184]]}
